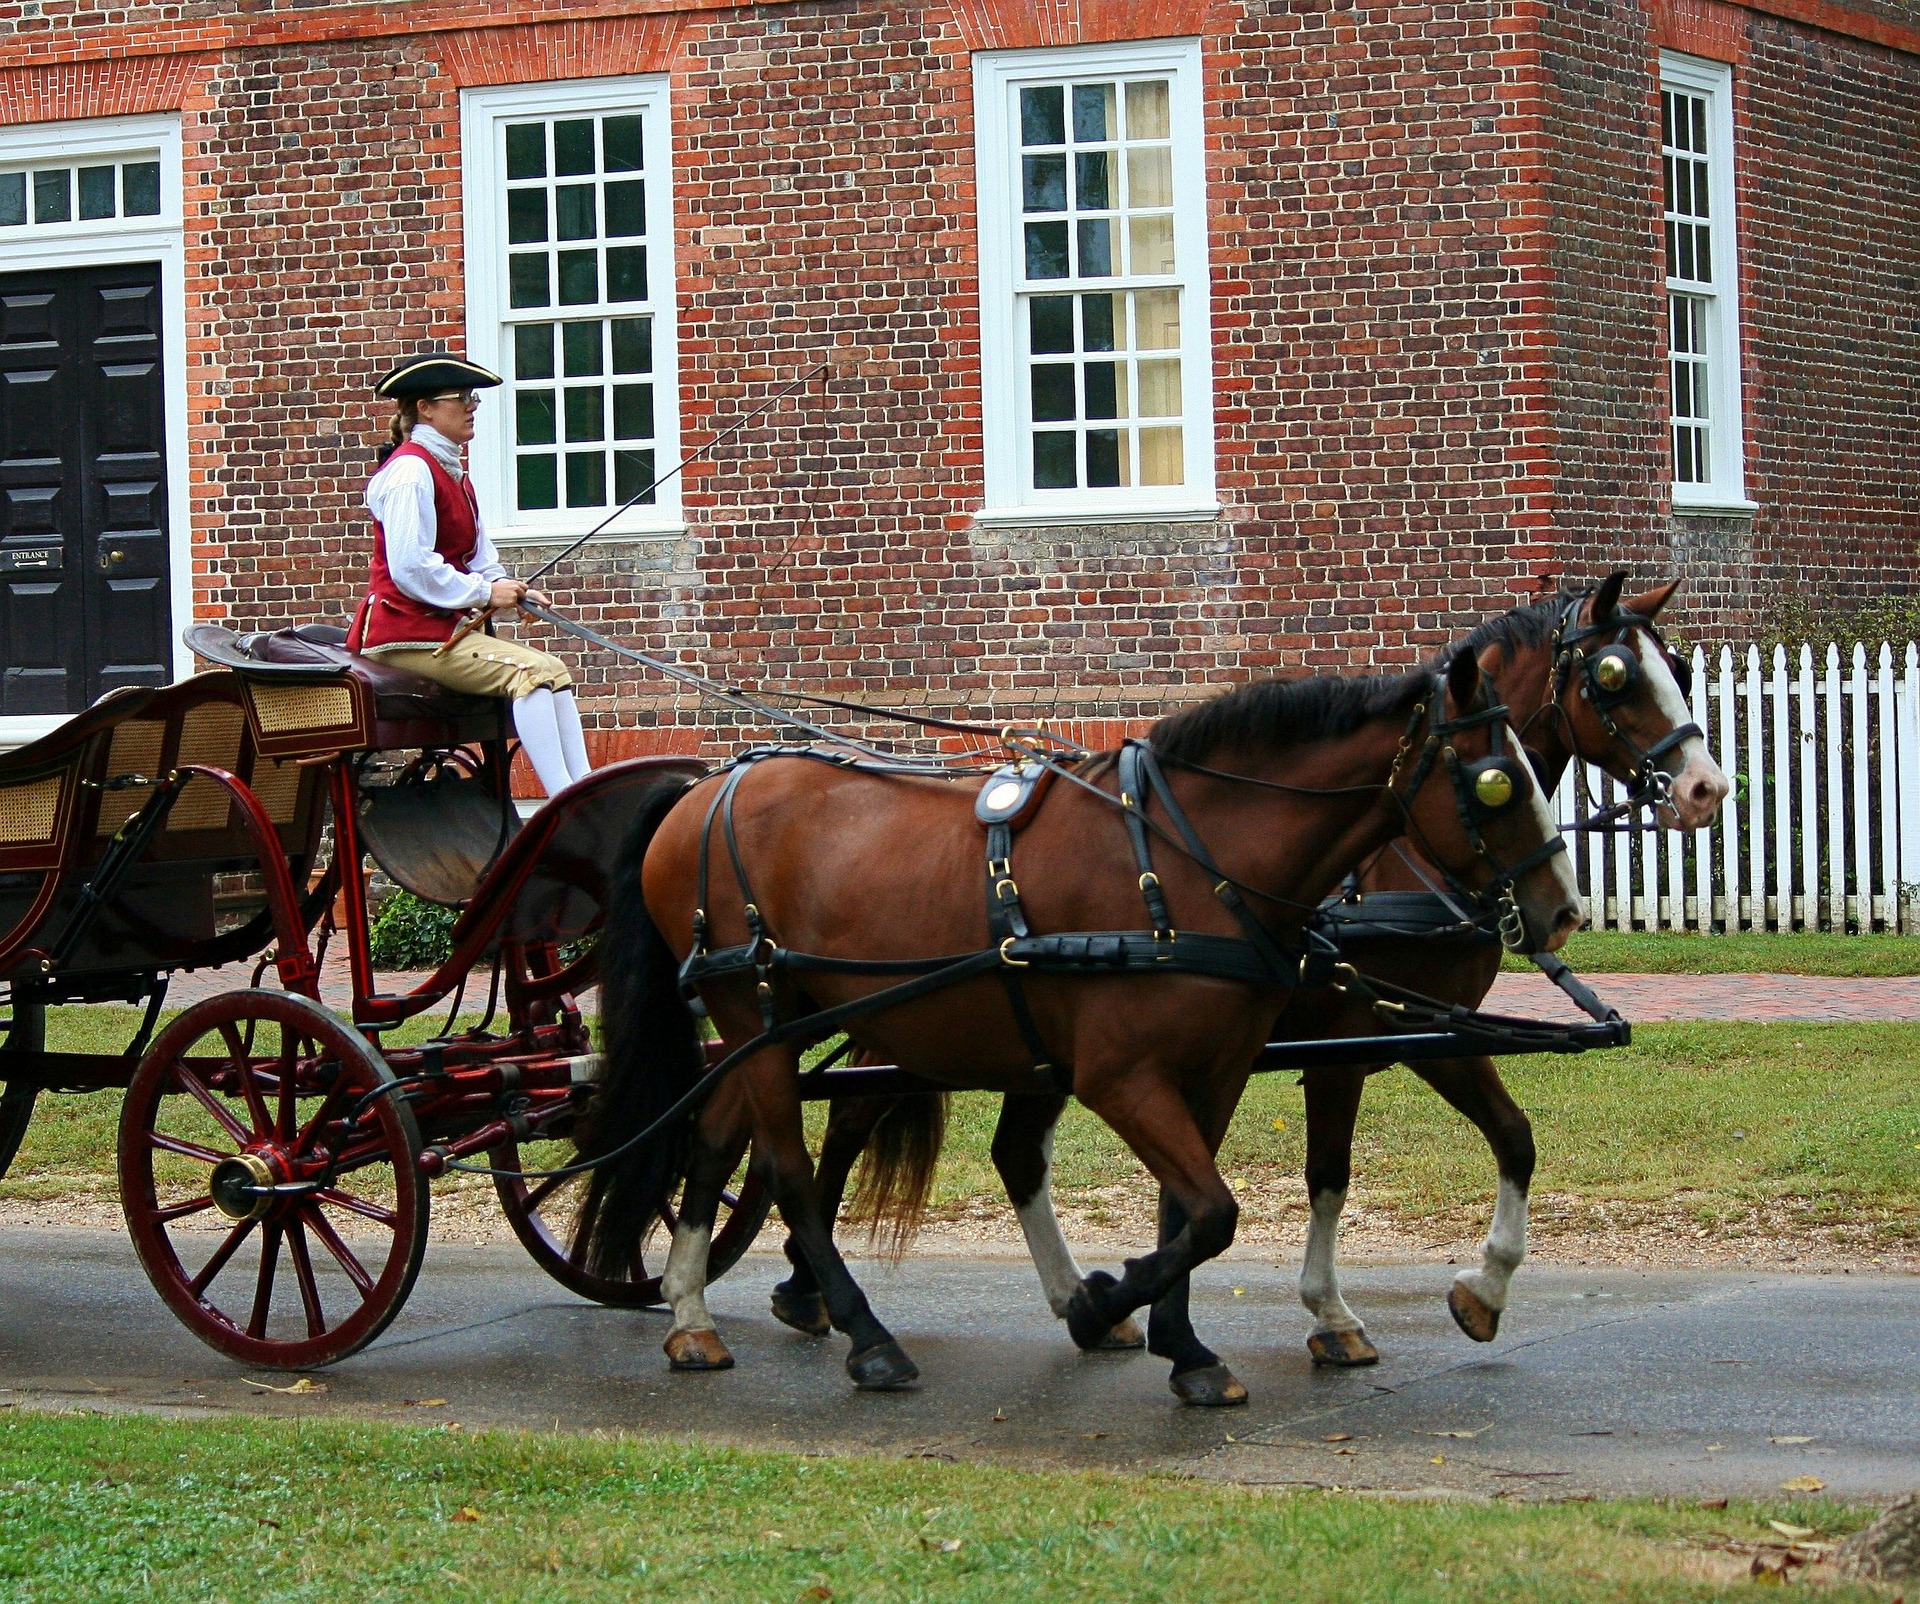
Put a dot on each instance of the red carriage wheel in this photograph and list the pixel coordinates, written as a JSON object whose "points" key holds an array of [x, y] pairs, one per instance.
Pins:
{"points": [[271, 1190], [542, 1211], [26, 1033]]}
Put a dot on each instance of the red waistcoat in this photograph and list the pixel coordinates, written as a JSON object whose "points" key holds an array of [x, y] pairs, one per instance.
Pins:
{"points": [[387, 615]]}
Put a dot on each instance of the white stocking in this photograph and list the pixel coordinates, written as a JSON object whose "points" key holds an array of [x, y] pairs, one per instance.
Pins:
{"points": [[533, 720], [572, 742]]}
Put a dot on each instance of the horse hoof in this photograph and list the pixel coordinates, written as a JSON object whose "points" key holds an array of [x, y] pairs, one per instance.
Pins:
{"points": [[697, 1350], [1210, 1387], [1123, 1338], [1346, 1349], [882, 1368], [1086, 1324], [1472, 1313], [804, 1311]]}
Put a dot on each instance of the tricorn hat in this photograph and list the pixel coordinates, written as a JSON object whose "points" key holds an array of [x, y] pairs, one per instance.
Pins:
{"points": [[431, 372]]}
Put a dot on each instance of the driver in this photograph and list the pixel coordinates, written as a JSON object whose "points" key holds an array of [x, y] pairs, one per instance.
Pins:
{"points": [[432, 561]]}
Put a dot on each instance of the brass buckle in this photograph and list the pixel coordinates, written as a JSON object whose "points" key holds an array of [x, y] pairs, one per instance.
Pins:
{"points": [[1010, 961]]}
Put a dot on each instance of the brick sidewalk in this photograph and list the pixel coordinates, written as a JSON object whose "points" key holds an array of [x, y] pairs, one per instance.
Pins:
{"points": [[1641, 998]]}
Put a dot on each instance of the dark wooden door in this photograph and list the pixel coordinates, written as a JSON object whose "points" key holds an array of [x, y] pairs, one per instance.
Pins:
{"points": [[83, 492]]}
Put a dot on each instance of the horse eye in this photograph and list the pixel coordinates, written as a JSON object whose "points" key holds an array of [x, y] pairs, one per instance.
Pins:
{"points": [[1682, 675]]}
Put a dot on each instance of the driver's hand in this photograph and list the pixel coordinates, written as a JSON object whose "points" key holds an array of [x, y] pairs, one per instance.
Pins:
{"points": [[506, 593], [539, 596]]}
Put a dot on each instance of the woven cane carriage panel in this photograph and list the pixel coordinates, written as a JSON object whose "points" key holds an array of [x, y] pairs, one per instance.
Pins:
{"points": [[210, 734], [299, 720], [31, 812], [277, 784], [136, 749]]}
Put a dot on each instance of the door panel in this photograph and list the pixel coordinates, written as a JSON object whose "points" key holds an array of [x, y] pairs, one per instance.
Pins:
{"points": [[84, 593]]}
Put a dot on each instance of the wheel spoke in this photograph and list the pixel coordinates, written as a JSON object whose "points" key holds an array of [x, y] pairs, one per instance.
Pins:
{"points": [[543, 1191], [289, 1087], [303, 1270], [270, 1235], [221, 1254], [186, 1149], [358, 1205], [198, 1089], [179, 1211], [342, 1254], [240, 1056], [320, 1116]]}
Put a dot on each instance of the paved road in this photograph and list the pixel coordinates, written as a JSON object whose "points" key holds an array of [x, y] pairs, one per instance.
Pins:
{"points": [[1607, 1381], [1642, 998]]}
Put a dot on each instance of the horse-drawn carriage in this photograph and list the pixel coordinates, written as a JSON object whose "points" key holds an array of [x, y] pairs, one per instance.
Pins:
{"points": [[275, 1158]]}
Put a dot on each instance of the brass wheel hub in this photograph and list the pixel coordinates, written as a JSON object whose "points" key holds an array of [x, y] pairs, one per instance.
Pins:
{"points": [[242, 1186]]}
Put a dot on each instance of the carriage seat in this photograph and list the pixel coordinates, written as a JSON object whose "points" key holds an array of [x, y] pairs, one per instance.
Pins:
{"points": [[392, 707]]}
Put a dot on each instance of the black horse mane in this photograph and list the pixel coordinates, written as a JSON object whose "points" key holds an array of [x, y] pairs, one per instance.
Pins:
{"points": [[1270, 711], [1531, 625]]}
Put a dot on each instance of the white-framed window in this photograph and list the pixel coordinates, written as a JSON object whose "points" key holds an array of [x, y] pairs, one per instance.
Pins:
{"points": [[570, 298], [1702, 274], [1096, 375]]}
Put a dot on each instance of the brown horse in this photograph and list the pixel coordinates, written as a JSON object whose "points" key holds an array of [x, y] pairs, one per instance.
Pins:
{"points": [[1272, 794], [1537, 657]]}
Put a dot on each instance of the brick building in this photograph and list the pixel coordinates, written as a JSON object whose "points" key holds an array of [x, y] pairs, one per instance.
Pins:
{"points": [[1169, 341]]}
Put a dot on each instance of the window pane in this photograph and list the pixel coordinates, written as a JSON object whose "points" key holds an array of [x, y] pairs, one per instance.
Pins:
{"points": [[539, 483], [533, 418], [1147, 111], [620, 145], [533, 351], [633, 412], [572, 151], [633, 345], [586, 414], [586, 479], [1053, 392], [1091, 189], [527, 280], [573, 211], [527, 154], [581, 342], [53, 196], [1103, 458], [526, 216], [1043, 118], [13, 199], [1043, 185], [1096, 322], [96, 191], [627, 273], [1151, 244], [140, 189], [627, 208], [579, 278], [1093, 112], [1150, 176], [1160, 389], [633, 471], [1050, 323], [1161, 457], [1156, 320], [1046, 250], [1053, 464], [1105, 398], [1096, 248]]}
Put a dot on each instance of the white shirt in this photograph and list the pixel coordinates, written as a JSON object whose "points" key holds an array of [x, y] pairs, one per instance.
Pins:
{"points": [[400, 497]]}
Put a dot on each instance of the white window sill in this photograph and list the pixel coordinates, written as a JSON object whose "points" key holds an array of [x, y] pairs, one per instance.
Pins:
{"points": [[21, 729], [1115, 513], [523, 535], [1725, 507]]}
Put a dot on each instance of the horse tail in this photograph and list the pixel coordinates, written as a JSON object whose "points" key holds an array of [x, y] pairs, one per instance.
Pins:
{"points": [[896, 1170], [653, 1056]]}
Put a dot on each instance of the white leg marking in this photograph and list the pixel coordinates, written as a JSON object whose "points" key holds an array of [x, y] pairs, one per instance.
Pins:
{"points": [[684, 1285], [1505, 1247], [1319, 1275], [1060, 1275]]}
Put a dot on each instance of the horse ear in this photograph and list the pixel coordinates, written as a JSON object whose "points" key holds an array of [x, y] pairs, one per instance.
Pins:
{"points": [[1649, 605], [1607, 597], [1463, 681]]}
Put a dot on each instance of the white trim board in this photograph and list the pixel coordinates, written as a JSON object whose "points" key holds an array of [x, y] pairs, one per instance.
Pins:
{"points": [[107, 243]]}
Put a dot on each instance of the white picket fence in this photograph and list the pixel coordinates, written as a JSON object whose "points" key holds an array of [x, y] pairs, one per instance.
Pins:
{"points": [[1823, 829]]}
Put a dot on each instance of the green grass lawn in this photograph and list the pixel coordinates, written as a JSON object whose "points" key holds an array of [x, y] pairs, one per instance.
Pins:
{"points": [[1799, 952], [1702, 1123], [128, 1507]]}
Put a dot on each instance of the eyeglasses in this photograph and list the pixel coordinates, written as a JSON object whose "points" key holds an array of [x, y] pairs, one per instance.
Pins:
{"points": [[467, 398]]}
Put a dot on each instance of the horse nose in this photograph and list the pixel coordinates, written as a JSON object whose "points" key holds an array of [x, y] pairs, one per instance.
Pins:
{"points": [[1699, 798], [1567, 918]]}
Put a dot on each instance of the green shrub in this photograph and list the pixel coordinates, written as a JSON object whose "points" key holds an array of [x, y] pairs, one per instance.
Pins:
{"points": [[411, 934]]}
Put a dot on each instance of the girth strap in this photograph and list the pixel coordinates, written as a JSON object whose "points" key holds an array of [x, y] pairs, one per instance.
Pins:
{"points": [[1007, 926]]}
